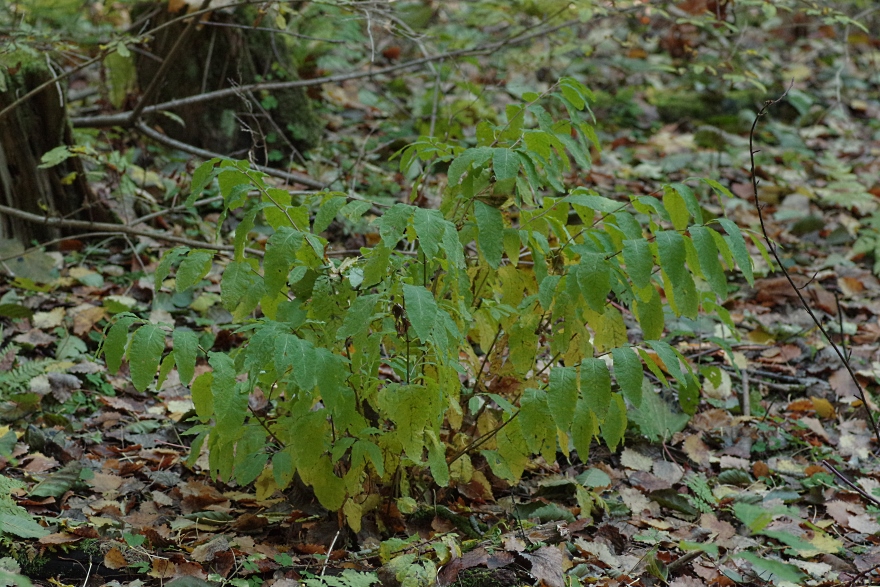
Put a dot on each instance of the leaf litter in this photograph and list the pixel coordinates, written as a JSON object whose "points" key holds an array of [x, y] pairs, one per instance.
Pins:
{"points": [[718, 499]]}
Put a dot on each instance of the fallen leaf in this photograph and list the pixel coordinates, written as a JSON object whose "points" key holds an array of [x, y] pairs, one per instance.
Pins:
{"points": [[548, 565], [114, 559], [632, 459], [696, 450], [823, 407], [864, 523]]}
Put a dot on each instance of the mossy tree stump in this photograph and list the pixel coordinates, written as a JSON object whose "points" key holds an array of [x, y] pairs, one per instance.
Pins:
{"points": [[34, 127], [227, 50]]}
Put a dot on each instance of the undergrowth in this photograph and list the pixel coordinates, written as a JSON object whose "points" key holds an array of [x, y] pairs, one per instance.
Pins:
{"points": [[513, 321]]}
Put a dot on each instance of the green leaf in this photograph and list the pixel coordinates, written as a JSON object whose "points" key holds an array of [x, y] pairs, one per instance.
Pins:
{"points": [[655, 418], [327, 212], [707, 253], [363, 450], [54, 156], [291, 352], [202, 398], [490, 235], [776, 569], [476, 157], [614, 426], [59, 482], [147, 346], [238, 278], [639, 261], [594, 478], [650, 315], [596, 386], [230, 405], [354, 210], [430, 226], [22, 526], [672, 253], [589, 199], [547, 291], [594, 280], [376, 268], [164, 369], [393, 224], [114, 345], [514, 453], [669, 357], [723, 191], [186, 345], [537, 425], [357, 318], [505, 164], [329, 489], [421, 309], [675, 206], [193, 269], [202, 176], [437, 458], [281, 250], [562, 395], [583, 429], [690, 201], [165, 264], [628, 373], [737, 244]]}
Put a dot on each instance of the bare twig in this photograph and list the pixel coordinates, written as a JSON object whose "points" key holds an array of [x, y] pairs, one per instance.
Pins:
{"points": [[773, 251], [205, 154], [117, 229], [850, 484]]}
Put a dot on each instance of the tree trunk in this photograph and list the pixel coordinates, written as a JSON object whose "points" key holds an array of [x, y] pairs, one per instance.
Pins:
{"points": [[228, 49], [33, 128]]}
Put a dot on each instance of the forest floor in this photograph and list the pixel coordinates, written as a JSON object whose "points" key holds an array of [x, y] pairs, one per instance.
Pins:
{"points": [[787, 494]]}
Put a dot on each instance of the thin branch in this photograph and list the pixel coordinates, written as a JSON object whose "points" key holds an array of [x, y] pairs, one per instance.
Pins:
{"points": [[850, 484], [205, 154], [117, 229], [773, 251]]}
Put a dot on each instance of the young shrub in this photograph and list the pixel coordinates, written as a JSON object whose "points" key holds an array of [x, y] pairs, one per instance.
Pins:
{"points": [[498, 323]]}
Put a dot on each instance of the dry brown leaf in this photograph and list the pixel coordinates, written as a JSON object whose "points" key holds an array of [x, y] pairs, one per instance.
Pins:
{"points": [[760, 469], [206, 552], [59, 538], [728, 462], [815, 426], [850, 286], [696, 450], [841, 511], [114, 559], [712, 420], [548, 565], [85, 317], [864, 523], [722, 530], [105, 483], [842, 384], [162, 568], [668, 471]]}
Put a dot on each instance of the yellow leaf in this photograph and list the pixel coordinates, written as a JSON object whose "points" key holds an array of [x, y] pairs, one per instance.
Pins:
{"points": [[265, 484], [823, 407], [825, 543]]}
